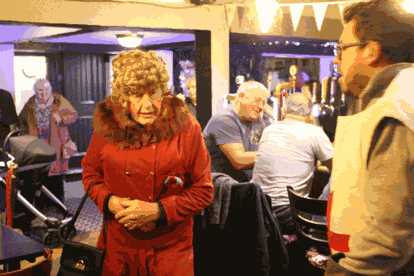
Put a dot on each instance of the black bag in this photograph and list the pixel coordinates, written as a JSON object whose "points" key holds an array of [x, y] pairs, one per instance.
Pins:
{"points": [[80, 259]]}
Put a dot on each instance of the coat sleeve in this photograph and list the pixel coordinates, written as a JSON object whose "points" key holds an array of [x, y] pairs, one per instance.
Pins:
{"points": [[67, 112], [93, 174], [387, 242], [23, 120], [200, 193]]}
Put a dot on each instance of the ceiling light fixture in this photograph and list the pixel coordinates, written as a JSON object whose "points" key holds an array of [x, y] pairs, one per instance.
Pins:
{"points": [[129, 40], [408, 5]]}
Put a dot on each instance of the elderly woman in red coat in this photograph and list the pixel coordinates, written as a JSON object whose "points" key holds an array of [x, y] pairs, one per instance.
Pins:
{"points": [[148, 170]]}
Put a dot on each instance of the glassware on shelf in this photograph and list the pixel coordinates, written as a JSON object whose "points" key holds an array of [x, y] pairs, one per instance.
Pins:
{"points": [[316, 99], [343, 108], [325, 107]]}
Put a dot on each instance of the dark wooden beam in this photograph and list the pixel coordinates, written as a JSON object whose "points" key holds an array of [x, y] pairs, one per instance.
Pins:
{"points": [[47, 47], [171, 46], [203, 76], [31, 47]]}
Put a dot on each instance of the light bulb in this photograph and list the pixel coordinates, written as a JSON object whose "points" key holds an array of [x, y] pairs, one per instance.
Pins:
{"points": [[408, 5], [129, 40]]}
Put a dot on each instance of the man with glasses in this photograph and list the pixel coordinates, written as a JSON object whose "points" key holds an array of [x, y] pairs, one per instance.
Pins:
{"points": [[371, 203]]}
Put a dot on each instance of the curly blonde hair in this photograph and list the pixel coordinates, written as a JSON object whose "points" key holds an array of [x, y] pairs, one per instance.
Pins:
{"points": [[137, 72]]}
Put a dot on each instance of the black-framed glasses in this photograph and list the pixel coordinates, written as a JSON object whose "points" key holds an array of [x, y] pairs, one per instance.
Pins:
{"points": [[340, 47]]}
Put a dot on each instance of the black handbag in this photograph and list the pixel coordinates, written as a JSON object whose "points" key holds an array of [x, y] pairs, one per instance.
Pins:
{"points": [[80, 259]]}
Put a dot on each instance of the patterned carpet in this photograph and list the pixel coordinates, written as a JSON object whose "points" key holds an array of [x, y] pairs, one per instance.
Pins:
{"points": [[90, 219]]}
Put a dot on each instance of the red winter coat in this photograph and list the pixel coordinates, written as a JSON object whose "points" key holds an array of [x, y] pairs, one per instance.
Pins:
{"points": [[138, 173]]}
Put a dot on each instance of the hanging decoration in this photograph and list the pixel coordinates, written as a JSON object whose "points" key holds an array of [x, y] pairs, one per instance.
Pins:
{"points": [[296, 13], [319, 10], [240, 14], [266, 11], [230, 13], [251, 16], [341, 8]]}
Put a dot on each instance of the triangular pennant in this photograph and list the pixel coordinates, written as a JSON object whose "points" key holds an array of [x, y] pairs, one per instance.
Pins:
{"points": [[240, 14], [341, 8], [250, 13], [319, 10], [266, 11], [296, 12], [230, 12]]}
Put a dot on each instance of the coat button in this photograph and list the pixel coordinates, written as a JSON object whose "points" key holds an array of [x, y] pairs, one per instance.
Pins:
{"points": [[149, 197], [153, 146], [151, 173], [127, 173]]}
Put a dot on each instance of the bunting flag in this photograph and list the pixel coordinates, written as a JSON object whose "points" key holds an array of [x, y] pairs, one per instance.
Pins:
{"points": [[319, 10], [230, 13], [296, 13], [250, 14], [240, 15], [341, 8]]}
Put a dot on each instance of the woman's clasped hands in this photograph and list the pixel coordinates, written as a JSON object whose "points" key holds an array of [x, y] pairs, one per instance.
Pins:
{"points": [[133, 213]]}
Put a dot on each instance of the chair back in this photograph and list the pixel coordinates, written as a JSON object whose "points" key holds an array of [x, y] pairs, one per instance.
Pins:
{"points": [[310, 216], [247, 243]]}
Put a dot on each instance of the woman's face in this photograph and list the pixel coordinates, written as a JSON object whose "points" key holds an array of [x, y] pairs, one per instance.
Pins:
{"points": [[43, 91], [145, 109]]}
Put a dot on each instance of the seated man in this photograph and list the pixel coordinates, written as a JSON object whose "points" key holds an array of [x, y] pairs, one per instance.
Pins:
{"points": [[287, 156], [233, 137]]}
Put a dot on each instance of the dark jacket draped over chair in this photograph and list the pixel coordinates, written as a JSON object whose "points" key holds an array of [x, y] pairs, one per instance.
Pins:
{"points": [[250, 243]]}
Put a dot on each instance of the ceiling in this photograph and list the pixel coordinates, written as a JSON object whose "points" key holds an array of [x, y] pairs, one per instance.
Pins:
{"points": [[19, 33]]}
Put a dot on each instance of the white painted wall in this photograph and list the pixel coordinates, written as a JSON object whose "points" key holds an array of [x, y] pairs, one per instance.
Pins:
{"points": [[6, 67], [26, 70], [220, 66]]}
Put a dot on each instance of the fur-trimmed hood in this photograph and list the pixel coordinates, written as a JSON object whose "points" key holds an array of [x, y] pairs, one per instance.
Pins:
{"points": [[113, 122]]}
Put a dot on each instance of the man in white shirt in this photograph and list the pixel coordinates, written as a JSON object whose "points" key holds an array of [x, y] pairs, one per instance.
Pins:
{"points": [[287, 155]]}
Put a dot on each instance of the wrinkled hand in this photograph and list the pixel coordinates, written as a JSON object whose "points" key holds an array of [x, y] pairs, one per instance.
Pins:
{"points": [[138, 214], [115, 204], [57, 118], [146, 227]]}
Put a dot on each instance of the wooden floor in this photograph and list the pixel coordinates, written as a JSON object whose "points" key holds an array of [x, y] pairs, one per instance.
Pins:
{"points": [[89, 238]]}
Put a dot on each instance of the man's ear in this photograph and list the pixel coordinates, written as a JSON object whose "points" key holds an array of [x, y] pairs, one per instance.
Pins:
{"points": [[372, 53]]}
